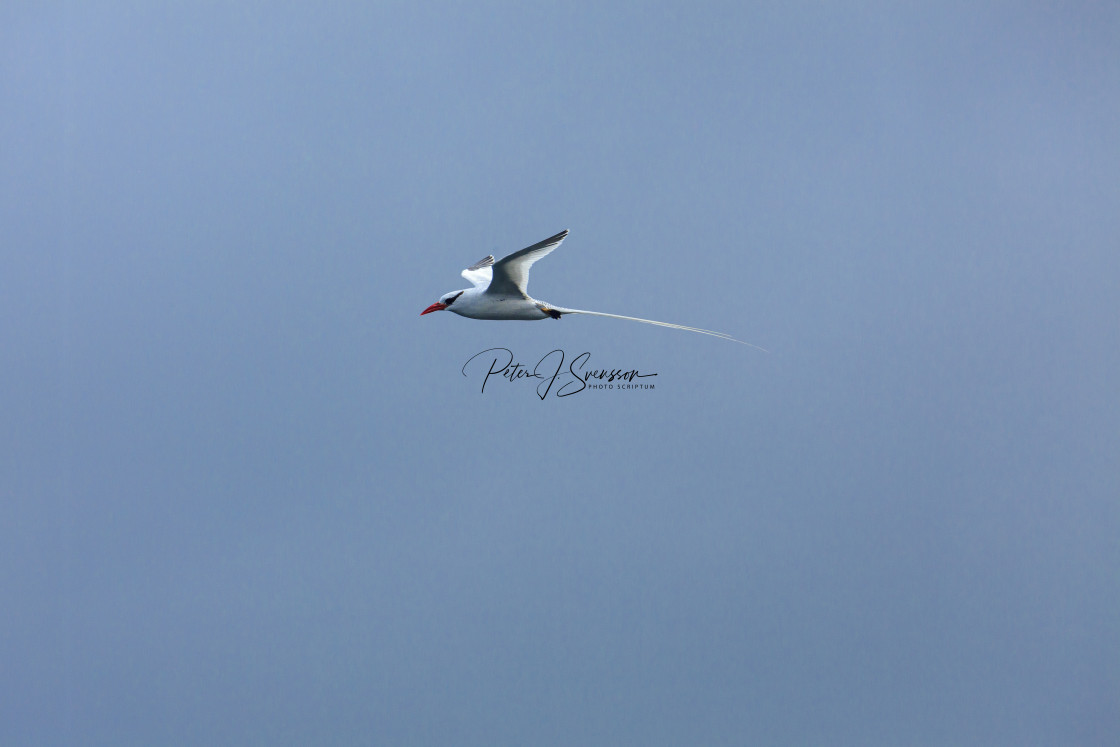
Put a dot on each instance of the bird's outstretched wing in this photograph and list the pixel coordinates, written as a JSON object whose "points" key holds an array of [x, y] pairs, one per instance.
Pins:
{"points": [[511, 274], [479, 273]]}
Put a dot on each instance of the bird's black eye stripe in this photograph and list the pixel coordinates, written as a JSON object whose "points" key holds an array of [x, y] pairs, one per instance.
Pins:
{"points": [[452, 299]]}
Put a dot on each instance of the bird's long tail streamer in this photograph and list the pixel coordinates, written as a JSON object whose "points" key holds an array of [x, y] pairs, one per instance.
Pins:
{"points": [[721, 335]]}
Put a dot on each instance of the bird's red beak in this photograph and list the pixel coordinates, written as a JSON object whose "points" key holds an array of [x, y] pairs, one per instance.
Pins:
{"points": [[437, 306]]}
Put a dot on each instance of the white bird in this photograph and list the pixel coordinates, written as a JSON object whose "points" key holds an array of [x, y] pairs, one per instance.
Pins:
{"points": [[499, 292]]}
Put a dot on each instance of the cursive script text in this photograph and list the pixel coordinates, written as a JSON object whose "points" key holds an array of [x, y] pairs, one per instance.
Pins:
{"points": [[549, 372]]}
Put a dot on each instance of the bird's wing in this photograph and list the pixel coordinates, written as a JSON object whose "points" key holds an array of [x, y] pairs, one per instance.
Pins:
{"points": [[479, 273], [511, 274]]}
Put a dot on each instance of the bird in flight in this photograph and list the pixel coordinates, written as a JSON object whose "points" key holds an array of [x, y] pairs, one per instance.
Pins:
{"points": [[499, 293]]}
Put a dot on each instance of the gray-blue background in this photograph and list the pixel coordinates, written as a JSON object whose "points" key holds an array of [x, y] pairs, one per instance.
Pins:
{"points": [[246, 495]]}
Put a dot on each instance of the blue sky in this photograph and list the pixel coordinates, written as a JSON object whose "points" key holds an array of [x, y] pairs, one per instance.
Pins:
{"points": [[247, 495]]}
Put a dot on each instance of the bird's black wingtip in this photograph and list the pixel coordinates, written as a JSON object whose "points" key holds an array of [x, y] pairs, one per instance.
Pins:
{"points": [[484, 262], [551, 241]]}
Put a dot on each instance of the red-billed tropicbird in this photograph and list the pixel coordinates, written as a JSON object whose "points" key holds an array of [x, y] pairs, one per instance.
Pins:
{"points": [[499, 292]]}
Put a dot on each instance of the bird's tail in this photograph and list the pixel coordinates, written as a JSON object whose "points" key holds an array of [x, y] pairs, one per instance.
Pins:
{"points": [[721, 335]]}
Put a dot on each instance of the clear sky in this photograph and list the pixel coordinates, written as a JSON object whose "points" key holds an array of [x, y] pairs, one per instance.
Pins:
{"points": [[247, 496]]}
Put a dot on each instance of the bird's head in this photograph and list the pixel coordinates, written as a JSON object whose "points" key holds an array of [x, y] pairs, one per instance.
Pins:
{"points": [[444, 301]]}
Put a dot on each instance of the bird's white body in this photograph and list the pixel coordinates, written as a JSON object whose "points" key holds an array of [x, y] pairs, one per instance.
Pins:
{"points": [[499, 292], [477, 304]]}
